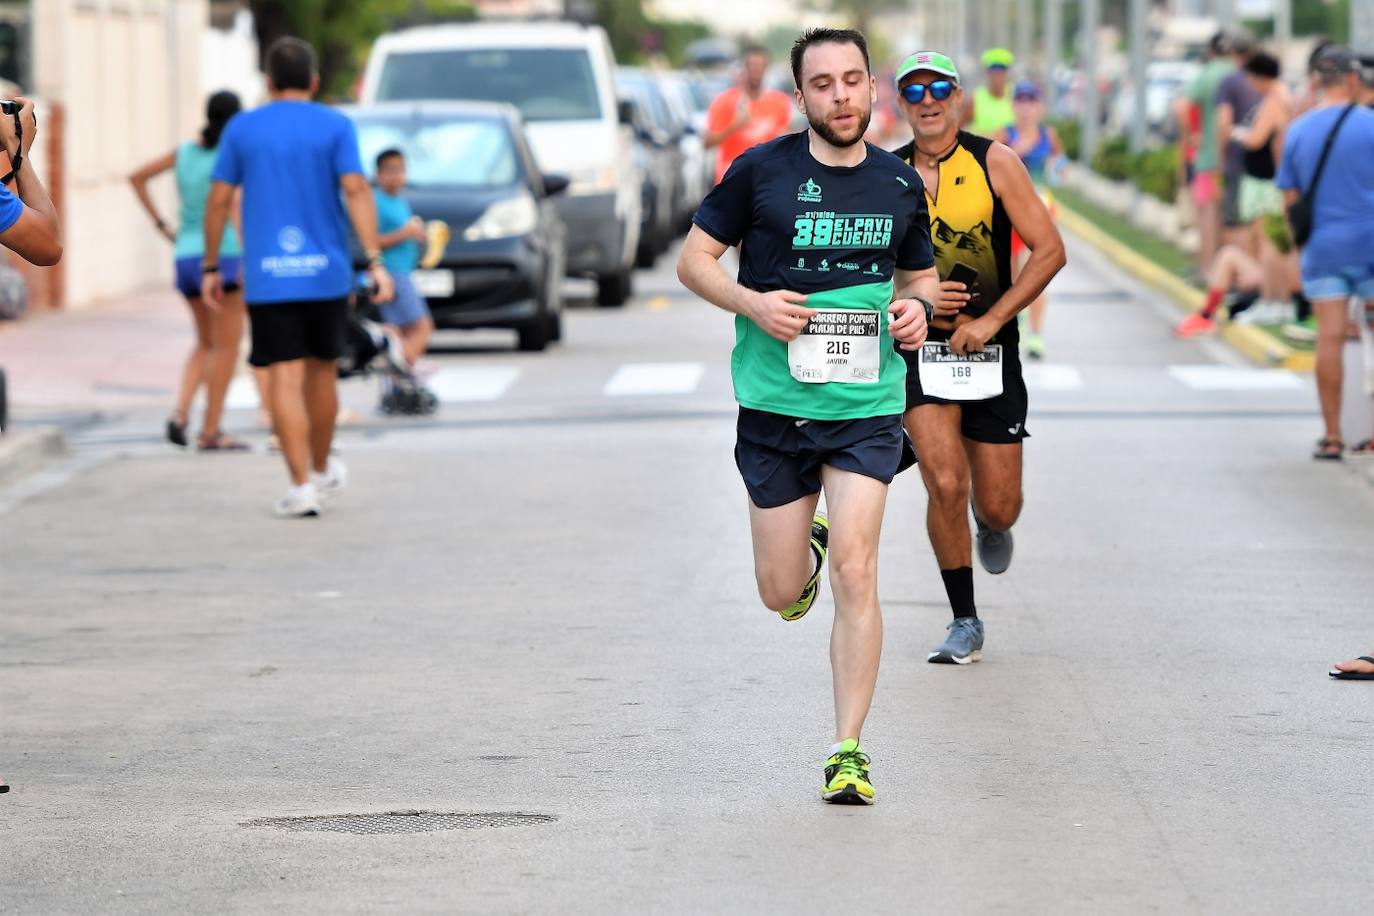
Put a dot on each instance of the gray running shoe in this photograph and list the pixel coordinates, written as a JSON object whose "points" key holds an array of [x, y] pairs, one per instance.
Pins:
{"points": [[964, 643], [994, 548]]}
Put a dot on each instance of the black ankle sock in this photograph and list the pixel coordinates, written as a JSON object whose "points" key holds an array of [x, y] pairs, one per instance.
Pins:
{"points": [[959, 588]]}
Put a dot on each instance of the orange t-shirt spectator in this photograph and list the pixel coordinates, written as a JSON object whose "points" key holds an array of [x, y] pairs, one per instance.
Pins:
{"points": [[746, 115]]}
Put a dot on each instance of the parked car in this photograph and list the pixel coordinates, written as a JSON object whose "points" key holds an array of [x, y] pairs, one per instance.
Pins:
{"points": [[699, 163], [658, 133], [562, 78], [469, 164]]}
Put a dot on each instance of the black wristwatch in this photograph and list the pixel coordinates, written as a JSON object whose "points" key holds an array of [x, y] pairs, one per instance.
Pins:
{"points": [[929, 306]]}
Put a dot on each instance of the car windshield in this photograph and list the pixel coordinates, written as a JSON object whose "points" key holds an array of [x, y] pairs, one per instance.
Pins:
{"points": [[546, 84], [443, 153]]}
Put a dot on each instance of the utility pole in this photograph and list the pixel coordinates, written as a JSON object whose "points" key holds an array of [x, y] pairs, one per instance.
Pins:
{"points": [[1090, 116], [1138, 10], [1283, 25], [1053, 27], [1025, 32], [1362, 25]]}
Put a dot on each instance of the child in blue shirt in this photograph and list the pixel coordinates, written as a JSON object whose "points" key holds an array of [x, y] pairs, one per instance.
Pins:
{"points": [[401, 235]]}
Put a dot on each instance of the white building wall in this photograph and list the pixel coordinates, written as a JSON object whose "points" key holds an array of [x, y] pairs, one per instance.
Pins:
{"points": [[126, 73]]}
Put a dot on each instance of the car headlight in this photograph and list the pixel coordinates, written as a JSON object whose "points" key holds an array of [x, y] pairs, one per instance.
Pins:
{"points": [[503, 219], [593, 181]]}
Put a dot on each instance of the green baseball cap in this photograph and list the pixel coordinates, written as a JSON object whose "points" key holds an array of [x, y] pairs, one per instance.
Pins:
{"points": [[998, 57], [933, 61]]}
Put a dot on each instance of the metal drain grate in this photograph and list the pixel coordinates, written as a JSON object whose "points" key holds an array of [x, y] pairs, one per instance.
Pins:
{"points": [[400, 822]]}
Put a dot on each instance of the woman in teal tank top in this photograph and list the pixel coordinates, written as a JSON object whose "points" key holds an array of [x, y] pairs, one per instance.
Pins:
{"points": [[218, 331]]}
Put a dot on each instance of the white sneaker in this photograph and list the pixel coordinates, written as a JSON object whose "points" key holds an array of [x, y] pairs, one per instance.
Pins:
{"points": [[334, 479], [299, 502]]}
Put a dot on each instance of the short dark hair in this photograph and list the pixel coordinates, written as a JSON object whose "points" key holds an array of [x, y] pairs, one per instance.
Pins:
{"points": [[291, 63], [389, 153], [1262, 64], [824, 36]]}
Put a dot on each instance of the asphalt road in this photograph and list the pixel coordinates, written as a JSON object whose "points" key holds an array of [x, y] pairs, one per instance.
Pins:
{"points": [[540, 601]]}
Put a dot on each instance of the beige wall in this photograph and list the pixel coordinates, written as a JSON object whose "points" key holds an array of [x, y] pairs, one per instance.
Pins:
{"points": [[127, 75]]}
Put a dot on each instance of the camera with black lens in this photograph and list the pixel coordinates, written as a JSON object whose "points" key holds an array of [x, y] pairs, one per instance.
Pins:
{"points": [[9, 107]]}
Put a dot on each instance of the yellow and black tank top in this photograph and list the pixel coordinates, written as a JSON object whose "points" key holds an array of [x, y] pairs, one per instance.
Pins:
{"points": [[968, 224]]}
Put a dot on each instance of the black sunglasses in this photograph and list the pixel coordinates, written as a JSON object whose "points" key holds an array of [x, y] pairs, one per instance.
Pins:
{"points": [[939, 91]]}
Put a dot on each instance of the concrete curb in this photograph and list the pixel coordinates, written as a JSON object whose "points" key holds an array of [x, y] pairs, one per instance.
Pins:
{"points": [[25, 451], [1256, 345]]}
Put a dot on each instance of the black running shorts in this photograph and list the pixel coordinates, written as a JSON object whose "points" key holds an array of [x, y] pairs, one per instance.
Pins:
{"points": [[284, 331], [780, 458], [996, 421]]}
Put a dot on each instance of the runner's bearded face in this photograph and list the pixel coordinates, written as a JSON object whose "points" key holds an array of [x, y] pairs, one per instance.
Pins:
{"points": [[933, 121], [837, 93]]}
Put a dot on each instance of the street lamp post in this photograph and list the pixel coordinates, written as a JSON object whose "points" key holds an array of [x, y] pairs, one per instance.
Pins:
{"points": [[1362, 25], [1025, 29], [1090, 116], [1053, 25], [1138, 38]]}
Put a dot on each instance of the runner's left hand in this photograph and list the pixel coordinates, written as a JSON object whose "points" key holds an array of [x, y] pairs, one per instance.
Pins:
{"points": [[908, 324], [973, 336]]}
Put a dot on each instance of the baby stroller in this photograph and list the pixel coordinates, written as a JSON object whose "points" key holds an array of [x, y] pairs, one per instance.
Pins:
{"points": [[371, 347]]}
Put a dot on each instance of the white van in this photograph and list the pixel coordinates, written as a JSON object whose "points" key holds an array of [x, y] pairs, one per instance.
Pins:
{"points": [[561, 76]]}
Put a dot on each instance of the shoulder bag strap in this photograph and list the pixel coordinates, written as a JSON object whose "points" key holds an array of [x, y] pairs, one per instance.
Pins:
{"points": [[1326, 151]]}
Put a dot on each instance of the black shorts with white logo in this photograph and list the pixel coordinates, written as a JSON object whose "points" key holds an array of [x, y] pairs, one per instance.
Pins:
{"points": [[780, 458], [285, 331]]}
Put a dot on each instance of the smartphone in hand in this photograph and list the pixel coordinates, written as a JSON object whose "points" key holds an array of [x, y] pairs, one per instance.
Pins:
{"points": [[962, 273]]}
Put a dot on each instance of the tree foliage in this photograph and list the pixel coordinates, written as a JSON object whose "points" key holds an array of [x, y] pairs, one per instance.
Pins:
{"points": [[342, 31]]}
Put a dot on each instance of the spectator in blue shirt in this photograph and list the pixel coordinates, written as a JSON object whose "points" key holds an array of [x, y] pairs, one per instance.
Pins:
{"points": [[401, 234], [292, 158], [28, 220], [1337, 261]]}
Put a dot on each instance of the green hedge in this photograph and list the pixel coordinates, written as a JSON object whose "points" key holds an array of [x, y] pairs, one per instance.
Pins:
{"points": [[1154, 171]]}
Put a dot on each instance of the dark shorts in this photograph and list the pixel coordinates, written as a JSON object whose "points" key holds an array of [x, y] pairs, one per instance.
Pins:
{"points": [[996, 421], [188, 275], [1230, 200], [284, 331], [780, 458]]}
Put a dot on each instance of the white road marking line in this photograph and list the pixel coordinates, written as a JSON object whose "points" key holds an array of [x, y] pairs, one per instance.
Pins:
{"points": [[243, 394], [1235, 378], [471, 383], [1040, 377], [654, 378]]}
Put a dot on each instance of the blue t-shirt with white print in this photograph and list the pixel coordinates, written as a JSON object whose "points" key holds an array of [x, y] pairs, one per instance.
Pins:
{"points": [[289, 157]]}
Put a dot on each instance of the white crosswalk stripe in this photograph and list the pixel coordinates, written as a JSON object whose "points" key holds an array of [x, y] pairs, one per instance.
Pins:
{"points": [[471, 383], [634, 379], [1235, 378], [1042, 377]]}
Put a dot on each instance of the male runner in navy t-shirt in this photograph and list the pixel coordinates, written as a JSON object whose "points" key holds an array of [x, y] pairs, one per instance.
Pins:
{"points": [[292, 157]]}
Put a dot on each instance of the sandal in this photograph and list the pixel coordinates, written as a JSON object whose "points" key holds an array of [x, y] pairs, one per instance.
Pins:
{"points": [[221, 442], [1363, 449], [176, 432], [1354, 675], [1329, 450]]}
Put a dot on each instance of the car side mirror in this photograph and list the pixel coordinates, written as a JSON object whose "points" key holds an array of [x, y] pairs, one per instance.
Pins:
{"points": [[556, 184], [625, 112]]}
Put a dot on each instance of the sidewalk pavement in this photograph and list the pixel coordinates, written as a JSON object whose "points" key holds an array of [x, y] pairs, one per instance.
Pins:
{"points": [[119, 354]]}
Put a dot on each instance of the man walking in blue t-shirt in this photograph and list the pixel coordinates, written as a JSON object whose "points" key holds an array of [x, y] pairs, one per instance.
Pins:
{"points": [[1336, 260], [293, 157]]}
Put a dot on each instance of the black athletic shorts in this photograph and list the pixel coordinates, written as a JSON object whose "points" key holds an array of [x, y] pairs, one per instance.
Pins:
{"points": [[996, 421], [780, 458], [283, 331]]}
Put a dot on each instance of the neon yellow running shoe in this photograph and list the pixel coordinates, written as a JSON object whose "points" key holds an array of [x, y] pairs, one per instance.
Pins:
{"points": [[846, 776], [820, 540]]}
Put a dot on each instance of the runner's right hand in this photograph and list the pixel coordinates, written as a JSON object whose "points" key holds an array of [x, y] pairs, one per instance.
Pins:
{"points": [[781, 314], [952, 299], [211, 289]]}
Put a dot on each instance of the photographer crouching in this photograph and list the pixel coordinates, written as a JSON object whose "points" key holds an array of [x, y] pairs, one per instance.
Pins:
{"points": [[28, 220]]}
